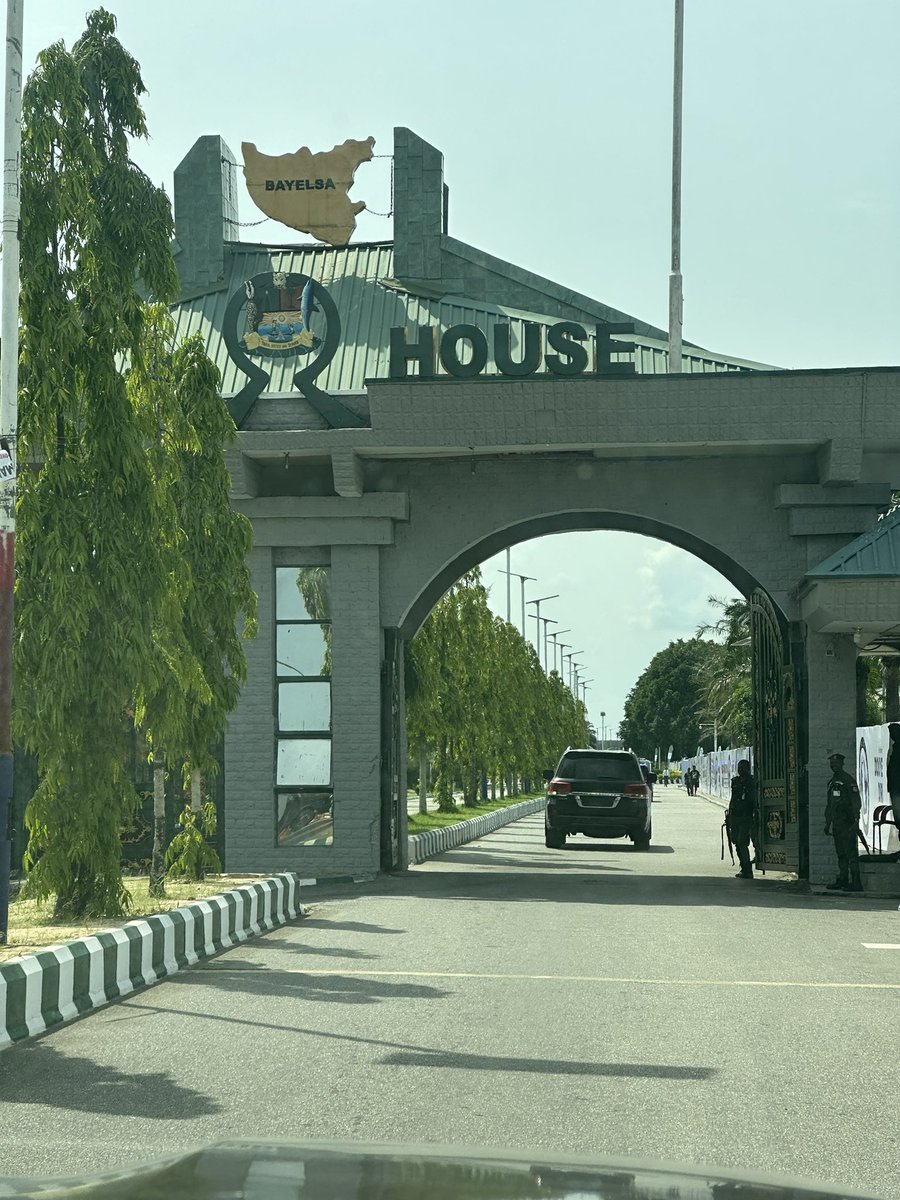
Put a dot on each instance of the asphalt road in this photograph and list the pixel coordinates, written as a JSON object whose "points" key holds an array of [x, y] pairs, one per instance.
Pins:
{"points": [[592, 1000]]}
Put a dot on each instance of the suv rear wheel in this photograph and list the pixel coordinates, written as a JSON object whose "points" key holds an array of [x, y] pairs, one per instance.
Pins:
{"points": [[553, 838], [642, 838]]}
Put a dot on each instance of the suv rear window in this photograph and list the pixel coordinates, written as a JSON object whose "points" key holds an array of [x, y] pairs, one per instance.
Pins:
{"points": [[599, 766]]}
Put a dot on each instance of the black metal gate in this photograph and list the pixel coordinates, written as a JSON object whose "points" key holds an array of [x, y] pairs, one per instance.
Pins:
{"points": [[776, 733], [393, 769]]}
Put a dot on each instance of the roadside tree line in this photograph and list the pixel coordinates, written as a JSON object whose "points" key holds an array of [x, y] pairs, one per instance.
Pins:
{"points": [[699, 683], [478, 703]]}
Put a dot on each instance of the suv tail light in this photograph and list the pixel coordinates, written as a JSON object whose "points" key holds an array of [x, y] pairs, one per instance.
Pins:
{"points": [[556, 787], [635, 789]]}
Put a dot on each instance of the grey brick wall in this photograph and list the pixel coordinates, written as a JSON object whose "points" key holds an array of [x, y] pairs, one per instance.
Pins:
{"points": [[356, 713], [728, 467], [250, 740], [356, 708]]}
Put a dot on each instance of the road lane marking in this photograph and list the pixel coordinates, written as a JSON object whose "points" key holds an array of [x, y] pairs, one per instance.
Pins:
{"points": [[881, 945], [762, 983]]}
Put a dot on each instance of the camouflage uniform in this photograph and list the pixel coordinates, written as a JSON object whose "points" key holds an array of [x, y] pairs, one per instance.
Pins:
{"points": [[842, 811], [741, 812]]}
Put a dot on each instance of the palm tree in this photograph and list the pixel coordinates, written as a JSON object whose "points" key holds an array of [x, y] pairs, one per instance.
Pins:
{"points": [[725, 684]]}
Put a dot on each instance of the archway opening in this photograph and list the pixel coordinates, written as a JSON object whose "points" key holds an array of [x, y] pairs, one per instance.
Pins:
{"points": [[655, 607]]}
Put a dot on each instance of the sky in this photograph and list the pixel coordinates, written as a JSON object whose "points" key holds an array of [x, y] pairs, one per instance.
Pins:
{"points": [[555, 126]]}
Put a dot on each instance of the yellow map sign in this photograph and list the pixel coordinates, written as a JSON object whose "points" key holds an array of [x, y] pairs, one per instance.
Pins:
{"points": [[308, 191]]}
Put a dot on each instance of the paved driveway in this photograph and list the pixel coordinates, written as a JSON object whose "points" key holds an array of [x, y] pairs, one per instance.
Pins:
{"points": [[593, 999]]}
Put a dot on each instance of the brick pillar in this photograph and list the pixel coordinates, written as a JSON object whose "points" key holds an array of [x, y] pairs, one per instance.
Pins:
{"points": [[206, 213], [356, 707], [249, 739], [831, 667], [419, 202]]}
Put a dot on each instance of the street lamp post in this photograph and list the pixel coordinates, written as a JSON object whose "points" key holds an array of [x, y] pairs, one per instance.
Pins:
{"points": [[603, 731], [522, 579], [537, 621], [714, 726], [571, 658], [547, 621], [9, 413], [556, 643]]}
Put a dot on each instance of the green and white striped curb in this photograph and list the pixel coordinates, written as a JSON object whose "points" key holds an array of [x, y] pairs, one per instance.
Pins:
{"points": [[40, 991], [436, 841]]}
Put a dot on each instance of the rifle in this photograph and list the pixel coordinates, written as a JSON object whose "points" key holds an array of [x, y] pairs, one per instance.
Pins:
{"points": [[726, 832], [862, 838]]}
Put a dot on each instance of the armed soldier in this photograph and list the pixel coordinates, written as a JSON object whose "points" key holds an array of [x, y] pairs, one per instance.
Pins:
{"points": [[741, 816], [842, 811]]}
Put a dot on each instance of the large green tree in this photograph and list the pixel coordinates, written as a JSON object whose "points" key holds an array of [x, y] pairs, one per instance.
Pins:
{"points": [[91, 559], [662, 707], [184, 705]]}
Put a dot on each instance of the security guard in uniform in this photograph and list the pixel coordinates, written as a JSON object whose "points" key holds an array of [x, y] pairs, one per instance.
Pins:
{"points": [[842, 811], [741, 816]]}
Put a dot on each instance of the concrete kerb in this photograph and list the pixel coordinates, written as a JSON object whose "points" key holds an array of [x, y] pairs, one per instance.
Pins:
{"points": [[436, 841], [40, 991]]}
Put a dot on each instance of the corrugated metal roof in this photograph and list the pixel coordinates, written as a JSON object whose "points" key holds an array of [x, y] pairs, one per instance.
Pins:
{"points": [[874, 554], [370, 303]]}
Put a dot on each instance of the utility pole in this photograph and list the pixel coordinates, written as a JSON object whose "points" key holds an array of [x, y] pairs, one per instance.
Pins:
{"points": [[676, 289], [508, 588], [9, 423], [603, 731]]}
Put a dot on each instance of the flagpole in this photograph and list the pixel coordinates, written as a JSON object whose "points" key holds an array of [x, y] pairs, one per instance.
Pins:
{"points": [[9, 419], [676, 295]]}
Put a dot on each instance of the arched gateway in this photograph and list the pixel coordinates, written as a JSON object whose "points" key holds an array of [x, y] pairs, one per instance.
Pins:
{"points": [[431, 405]]}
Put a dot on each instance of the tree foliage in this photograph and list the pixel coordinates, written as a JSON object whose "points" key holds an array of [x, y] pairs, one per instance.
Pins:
{"points": [[182, 706], [662, 708], [131, 565], [90, 564], [725, 684], [476, 693]]}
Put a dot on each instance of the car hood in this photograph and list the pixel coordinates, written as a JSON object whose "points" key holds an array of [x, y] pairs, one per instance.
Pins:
{"points": [[274, 1170]]}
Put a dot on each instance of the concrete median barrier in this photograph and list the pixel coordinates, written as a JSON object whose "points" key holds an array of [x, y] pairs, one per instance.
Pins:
{"points": [[436, 841], [40, 991]]}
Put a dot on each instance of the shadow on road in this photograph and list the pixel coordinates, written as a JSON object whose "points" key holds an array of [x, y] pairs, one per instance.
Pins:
{"points": [[47, 1077], [613, 847], [292, 947], [543, 1066], [499, 860], [354, 926], [406, 1054], [236, 975], [597, 886]]}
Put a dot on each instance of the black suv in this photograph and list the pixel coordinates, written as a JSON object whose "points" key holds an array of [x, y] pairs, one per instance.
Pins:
{"points": [[601, 793]]}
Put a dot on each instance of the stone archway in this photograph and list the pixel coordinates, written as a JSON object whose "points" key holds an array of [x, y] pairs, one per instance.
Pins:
{"points": [[788, 850]]}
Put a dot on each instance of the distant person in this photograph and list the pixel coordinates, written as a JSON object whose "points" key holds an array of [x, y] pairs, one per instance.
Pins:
{"points": [[665, 776], [842, 810], [688, 780], [893, 775], [741, 816]]}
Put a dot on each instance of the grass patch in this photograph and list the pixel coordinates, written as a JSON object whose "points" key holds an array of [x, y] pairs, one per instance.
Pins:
{"points": [[32, 926], [420, 822]]}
